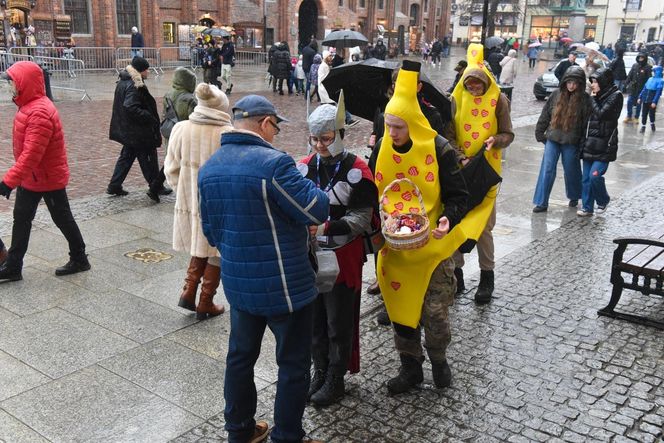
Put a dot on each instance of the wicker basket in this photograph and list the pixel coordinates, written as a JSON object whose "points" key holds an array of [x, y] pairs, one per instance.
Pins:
{"points": [[413, 240]]}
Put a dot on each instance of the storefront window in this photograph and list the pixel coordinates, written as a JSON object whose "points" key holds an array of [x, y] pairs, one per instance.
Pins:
{"points": [[591, 26], [168, 29], [80, 17], [550, 28]]}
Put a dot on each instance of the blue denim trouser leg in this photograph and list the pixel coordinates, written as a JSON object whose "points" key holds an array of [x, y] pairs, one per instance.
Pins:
{"points": [[293, 336], [572, 171], [547, 174], [594, 188], [632, 102]]}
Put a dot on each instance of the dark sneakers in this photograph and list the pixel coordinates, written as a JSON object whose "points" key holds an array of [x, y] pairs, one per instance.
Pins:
{"points": [[164, 191], [382, 318], [116, 191], [73, 267], [538, 209], [8, 273]]}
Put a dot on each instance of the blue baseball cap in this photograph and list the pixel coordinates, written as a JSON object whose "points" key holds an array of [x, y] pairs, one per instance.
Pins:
{"points": [[254, 105]]}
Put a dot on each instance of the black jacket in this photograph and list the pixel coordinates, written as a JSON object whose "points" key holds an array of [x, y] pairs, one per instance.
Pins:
{"points": [[379, 51], [494, 60], [618, 68], [562, 67], [281, 63], [137, 40], [601, 136], [638, 75], [135, 120], [308, 54], [543, 129]]}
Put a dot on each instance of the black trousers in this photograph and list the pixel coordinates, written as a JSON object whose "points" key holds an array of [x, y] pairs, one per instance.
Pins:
{"points": [[332, 341], [281, 85], [147, 160], [647, 111], [25, 209]]}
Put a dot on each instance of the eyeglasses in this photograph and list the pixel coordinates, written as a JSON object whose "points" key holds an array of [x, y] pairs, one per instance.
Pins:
{"points": [[325, 141], [274, 125]]}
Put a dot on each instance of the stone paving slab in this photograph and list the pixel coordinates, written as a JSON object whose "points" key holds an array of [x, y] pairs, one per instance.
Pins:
{"points": [[14, 431], [16, 377], [95, 405]]}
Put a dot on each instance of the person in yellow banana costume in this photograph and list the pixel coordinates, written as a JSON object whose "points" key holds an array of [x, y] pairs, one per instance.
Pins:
{"points": [[418, 285], [481, 117]]}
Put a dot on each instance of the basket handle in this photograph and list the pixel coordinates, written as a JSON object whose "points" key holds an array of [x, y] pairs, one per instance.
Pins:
{"points": [[381, 208]]}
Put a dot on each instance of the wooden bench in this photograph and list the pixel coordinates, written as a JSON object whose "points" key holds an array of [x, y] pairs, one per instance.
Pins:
{"points": [[641, 261]]}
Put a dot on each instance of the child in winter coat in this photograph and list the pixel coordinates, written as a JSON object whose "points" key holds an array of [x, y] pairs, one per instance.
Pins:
{"points": [[299, 77], [650, 96]]}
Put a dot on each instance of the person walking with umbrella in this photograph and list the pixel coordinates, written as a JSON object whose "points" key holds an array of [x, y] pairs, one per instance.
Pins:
{"points": [[532, 54]]}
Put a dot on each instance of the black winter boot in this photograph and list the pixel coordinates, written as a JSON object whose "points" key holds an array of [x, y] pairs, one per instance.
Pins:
{"points": [[382, 318], [331, 392], [317, 381], [410, 375], [461, 286], [442, 375], [74, 266], [485, 288]]}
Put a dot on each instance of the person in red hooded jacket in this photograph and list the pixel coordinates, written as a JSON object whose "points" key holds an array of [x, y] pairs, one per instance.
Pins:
{"points": [[40, 171]]}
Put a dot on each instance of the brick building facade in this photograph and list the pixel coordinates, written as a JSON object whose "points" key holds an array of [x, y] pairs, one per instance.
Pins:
{"points": [[104, 23]]}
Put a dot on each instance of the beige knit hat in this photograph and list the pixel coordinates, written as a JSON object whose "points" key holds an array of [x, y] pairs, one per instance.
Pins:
{"points": [[209, 96]]}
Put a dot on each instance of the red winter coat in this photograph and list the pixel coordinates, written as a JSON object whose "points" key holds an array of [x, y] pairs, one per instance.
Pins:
{"points": [[39, 144]]}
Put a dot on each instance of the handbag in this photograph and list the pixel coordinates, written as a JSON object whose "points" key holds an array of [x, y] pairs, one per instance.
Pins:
{"points": [[480, 178], [326, 267]]}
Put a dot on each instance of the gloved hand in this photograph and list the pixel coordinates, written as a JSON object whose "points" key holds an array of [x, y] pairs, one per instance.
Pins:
{"points": [[5, 190]]}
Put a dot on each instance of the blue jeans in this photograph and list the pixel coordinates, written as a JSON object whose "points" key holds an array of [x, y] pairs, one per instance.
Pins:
{"points": [[293, 333], [594, 188], [632, 102], [547, 173]]}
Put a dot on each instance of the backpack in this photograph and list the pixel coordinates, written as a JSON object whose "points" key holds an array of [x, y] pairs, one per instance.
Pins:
{"points": [[170, 119]]}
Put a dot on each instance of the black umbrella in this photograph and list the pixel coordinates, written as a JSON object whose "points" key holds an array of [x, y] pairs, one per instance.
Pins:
{"points": [[216, 32], [365, 85], [345, 39]]}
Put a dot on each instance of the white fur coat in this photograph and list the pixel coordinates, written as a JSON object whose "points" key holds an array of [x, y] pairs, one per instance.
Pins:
{"points": [[192, 142]]}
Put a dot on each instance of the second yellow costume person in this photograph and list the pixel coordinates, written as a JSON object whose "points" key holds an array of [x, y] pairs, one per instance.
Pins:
{"points": [[404, 276]]}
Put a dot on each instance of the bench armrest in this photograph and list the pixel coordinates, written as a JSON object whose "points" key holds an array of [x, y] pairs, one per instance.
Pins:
{"points": [[638, 241]]}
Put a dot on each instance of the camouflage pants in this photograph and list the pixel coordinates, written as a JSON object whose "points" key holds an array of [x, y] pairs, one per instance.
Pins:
{"points": [[434, 320]]}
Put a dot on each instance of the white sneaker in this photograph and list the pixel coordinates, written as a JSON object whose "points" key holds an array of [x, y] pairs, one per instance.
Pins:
{"points": [[582, 213], [601, 209]]}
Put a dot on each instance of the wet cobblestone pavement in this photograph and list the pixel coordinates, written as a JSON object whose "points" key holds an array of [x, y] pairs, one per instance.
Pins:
{"points": [[107, 355]]}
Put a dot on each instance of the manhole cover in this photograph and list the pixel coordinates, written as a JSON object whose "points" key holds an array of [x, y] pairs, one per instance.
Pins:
{"points": [[148, 255]]}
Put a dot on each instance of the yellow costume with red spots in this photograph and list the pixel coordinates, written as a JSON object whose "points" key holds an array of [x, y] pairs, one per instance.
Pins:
{"points": [[404, 276], [475, 121]]}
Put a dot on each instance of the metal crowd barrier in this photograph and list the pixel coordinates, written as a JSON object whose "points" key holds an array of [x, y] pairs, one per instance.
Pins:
{"points": [[251, 61], [123, 57], [116, 59], [174, 56], [65, 74]]}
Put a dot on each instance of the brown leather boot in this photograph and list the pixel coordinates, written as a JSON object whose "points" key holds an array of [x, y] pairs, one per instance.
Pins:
{"points": [[206, 308], [191, 281]]}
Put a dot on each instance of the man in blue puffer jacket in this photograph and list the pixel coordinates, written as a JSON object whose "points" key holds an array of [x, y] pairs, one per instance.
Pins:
{"points": [[255, 208]]}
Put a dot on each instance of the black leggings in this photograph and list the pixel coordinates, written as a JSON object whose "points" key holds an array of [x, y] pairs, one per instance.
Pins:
{"points": [[646, 111]]}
